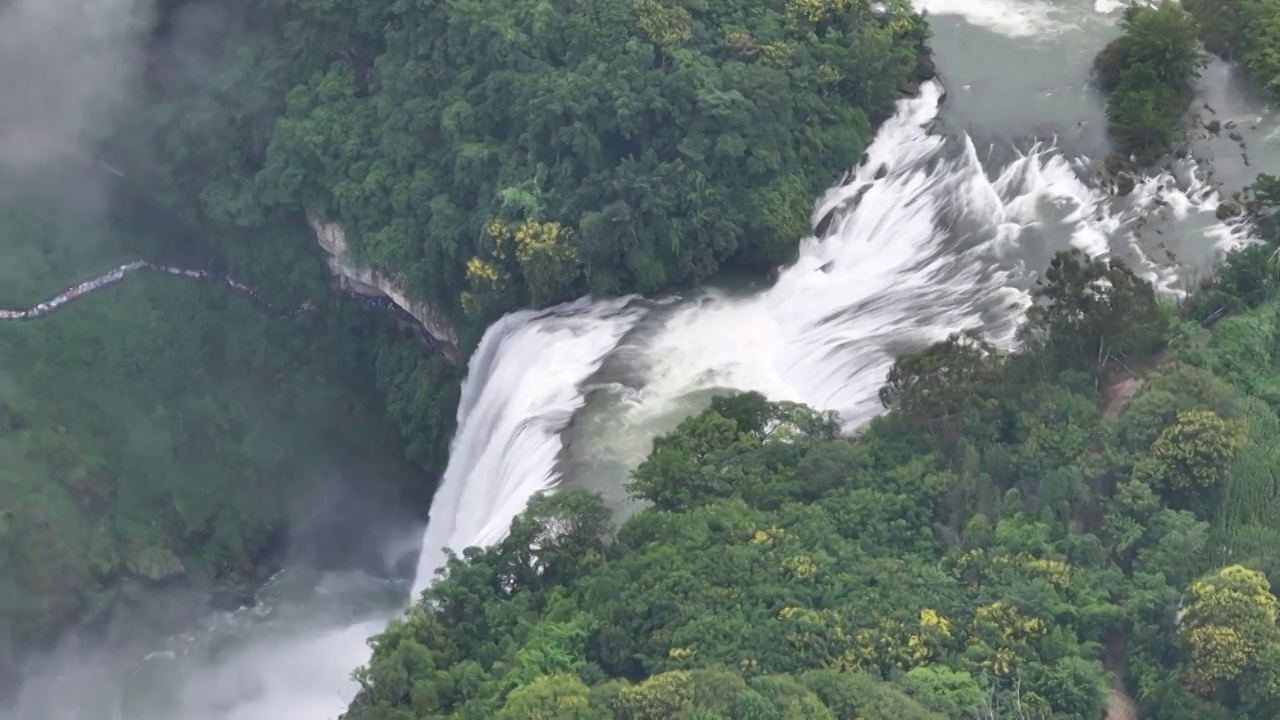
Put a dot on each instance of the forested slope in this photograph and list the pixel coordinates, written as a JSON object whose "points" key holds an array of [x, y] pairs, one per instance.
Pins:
{"points": [[169, 432], [494, 156], [486, 155], [1016, 536]]}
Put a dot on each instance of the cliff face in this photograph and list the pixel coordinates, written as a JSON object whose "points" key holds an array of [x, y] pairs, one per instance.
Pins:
{"points": [[367, 281]]}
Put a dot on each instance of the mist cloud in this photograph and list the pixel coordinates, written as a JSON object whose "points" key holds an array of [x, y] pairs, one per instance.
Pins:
{"points": [[67, 69]]}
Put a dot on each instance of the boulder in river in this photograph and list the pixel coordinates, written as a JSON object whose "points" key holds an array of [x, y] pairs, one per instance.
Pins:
{"points": [[1116, 163], [1124, 184], [926, 68]]}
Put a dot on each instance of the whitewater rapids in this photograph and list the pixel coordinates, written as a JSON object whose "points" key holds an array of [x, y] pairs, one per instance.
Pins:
{"points": [[924, 244]]}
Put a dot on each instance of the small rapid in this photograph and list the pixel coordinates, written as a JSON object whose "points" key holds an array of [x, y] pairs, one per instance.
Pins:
{"points": [[884, 280]]}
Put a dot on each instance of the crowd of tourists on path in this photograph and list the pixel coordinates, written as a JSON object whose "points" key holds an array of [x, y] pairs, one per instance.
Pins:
{"points": [[118, 274], [111, 278]]}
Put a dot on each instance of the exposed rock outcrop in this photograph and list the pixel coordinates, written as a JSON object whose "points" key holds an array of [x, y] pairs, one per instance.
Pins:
{"points": [[367, 281], [155, 564]]}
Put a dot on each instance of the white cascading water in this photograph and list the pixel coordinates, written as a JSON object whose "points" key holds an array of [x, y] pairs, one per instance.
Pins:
{"points": [[925, 244], [524, 384]]}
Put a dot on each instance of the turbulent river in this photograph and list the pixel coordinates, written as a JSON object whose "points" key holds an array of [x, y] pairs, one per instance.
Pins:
{"points": [[942, 228]]}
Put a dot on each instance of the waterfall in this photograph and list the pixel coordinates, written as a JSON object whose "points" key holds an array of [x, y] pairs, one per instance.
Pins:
{"points": [[928, 236], [524, 383], [925, 242]]}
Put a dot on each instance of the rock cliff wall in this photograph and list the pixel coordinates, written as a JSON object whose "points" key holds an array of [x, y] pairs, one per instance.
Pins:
{"points": [[367, 281]]}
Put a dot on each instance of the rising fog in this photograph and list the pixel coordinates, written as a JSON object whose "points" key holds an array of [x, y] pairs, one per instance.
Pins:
{"points": [[70, 78], [67, 68]]}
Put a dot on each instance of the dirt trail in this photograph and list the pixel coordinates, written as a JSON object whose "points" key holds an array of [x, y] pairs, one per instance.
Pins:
{"points": [[1124, 387], [1120, 705], [1119, 395]]}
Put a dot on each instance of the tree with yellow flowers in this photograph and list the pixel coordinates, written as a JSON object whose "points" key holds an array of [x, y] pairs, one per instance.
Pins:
{"points": [[550, 697], [1229, 623], [1194, 453], [535, 259], [1000, 637]]}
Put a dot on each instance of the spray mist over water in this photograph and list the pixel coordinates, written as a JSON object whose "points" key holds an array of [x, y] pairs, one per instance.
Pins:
{"points": [[288, 657]]}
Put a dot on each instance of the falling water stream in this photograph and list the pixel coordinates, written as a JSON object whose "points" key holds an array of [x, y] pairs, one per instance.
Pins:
{"points": [[943, 227]]}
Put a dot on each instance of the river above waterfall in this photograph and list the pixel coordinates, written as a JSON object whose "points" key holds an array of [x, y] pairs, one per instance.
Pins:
{"points": [[958, 207]]}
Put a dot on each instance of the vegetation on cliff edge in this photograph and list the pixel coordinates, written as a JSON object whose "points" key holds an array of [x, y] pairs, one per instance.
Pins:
{"points": [[1147, 74], [524, 153], [167, 429], [1243, 30]]}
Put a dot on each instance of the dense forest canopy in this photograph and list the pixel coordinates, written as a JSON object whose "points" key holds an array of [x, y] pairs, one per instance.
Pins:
{"points": [[498, 156], [1019, 535], [1026, 535], [486, 156]]}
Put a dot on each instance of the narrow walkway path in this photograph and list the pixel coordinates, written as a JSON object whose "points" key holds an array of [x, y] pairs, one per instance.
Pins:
{"points": [[110, 278]]}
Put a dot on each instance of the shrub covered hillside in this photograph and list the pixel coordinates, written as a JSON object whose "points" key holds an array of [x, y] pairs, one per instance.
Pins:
{"points": [[1244, 30], [508, 154], [1021, 536], [1147, 74], [167, 431]]}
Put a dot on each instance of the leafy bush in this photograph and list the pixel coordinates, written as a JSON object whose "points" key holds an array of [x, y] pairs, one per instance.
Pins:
{"points": [[1147, 73], [1264, 207]]}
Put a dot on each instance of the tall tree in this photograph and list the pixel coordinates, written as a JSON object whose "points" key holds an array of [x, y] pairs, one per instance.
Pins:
{"points": [[1093, 315], [944, 388], [1229, 622]]}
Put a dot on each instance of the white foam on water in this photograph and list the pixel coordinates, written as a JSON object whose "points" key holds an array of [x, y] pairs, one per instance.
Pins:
{"points": [[1012, 18]]}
